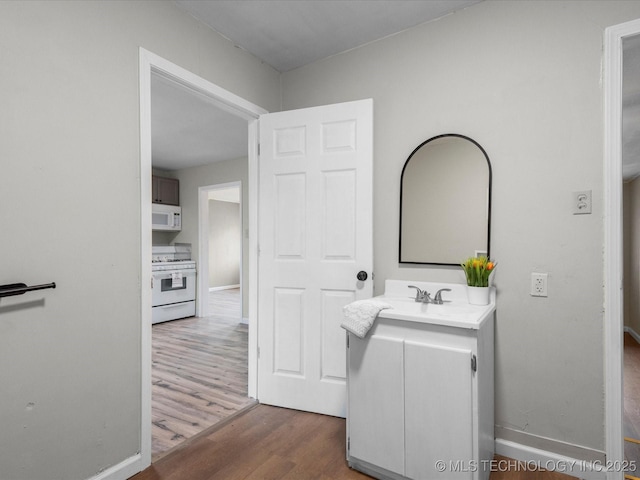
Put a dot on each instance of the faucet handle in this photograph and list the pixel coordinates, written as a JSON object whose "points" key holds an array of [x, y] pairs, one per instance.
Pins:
{"points": [[438, 297], [419, 293]]}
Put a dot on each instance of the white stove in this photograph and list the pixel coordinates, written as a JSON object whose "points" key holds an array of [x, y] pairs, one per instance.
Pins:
{"points": [[173, 283]]}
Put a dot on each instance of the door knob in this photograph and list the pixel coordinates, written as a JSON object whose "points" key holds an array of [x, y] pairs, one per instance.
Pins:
{"points": [[362, 275]]}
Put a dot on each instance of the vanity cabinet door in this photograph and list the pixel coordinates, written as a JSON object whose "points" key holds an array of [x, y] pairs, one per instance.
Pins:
{"points": [[439, 411], [376, 401]]}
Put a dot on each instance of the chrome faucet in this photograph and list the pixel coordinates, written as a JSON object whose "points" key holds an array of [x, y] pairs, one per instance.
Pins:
{"points": [[438, 298], [419, 293], [422, 295], [425, 297]]}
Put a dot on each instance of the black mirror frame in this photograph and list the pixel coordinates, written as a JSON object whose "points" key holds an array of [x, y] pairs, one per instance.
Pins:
{"points": [[401, 196]]}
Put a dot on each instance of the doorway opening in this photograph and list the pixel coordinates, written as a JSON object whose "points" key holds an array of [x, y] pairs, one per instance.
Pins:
{"points": [[153, 65], [631, 247], [222, 254], [200, 363], [613, 241]]}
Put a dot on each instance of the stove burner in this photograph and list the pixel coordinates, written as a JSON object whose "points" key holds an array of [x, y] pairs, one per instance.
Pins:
{"points": [[180, 252]]}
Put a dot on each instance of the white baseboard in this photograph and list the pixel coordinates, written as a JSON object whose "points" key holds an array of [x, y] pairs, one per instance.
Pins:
{"points": [[633, 333], [244, 321], [536, 458], [224, 287], [123, 470]]}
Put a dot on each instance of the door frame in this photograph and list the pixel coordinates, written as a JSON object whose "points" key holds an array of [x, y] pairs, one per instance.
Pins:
{"points": [[202, 308], [613, 252], [150, 63]]}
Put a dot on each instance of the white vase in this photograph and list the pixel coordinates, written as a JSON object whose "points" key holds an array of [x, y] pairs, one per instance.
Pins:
{"points": [[478, 295]]}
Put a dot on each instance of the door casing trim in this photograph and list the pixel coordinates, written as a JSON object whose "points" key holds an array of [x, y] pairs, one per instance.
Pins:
{"points": [[151, 63], [613, 247]]}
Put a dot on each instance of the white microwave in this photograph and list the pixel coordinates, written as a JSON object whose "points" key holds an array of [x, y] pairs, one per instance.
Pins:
{"points": [[166, 217]]}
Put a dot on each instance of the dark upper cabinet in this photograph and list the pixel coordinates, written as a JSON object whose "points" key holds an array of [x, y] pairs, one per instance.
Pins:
{"points": [[165, 190]]}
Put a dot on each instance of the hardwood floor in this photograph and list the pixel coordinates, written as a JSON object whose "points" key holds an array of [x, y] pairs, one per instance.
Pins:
{"points": [[199, 372], [276, 443], [226, 303], [199, 383]]}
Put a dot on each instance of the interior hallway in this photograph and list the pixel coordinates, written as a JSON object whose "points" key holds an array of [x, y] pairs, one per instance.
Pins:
{"points": [[199, 372]]}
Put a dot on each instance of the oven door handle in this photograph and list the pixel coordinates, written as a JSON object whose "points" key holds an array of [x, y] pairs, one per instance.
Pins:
{"points": [[171, 305], [167, 274]]}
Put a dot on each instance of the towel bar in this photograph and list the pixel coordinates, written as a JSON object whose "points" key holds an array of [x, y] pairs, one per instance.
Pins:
{"points": [[20, 288]]}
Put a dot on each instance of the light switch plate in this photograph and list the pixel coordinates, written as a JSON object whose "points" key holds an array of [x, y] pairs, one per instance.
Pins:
{"points": [[582, 202]]}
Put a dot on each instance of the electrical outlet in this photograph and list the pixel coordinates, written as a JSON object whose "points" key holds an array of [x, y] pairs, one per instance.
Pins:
{"points": [[539, 284]]}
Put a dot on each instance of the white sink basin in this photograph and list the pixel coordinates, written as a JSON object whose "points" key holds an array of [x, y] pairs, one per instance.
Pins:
{"points": [[455, 311]]}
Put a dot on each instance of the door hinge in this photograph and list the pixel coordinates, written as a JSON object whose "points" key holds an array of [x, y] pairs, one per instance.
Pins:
{"points": [[348, 444], [258, 352], [348, 340], [474, 363], [258, 149]]}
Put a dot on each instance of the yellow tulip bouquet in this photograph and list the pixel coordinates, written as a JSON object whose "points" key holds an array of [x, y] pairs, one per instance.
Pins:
{"points": [[478, 270]]}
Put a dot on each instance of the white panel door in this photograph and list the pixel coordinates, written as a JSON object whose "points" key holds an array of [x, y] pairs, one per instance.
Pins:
{"points": [[439, 410], [315, 236]]}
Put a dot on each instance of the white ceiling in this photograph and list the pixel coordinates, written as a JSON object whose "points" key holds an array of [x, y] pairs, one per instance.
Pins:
{"points": [[288, 34], [188, 131]]}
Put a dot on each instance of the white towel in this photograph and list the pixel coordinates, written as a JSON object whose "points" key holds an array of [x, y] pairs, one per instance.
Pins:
{"points": [[359, 316], [176, 279]]}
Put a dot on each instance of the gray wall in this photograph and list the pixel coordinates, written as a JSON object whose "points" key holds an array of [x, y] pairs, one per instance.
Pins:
{"points": [[70, 213], [524, 79], [216, 173], [225, 237]]}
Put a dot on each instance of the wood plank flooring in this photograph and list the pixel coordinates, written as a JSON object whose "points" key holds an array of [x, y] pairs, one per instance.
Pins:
{"points": [[199, 372], [276, 443], [199, 382]]}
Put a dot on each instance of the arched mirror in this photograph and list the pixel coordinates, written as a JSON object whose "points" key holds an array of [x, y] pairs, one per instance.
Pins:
{"points": [[445, 202]]}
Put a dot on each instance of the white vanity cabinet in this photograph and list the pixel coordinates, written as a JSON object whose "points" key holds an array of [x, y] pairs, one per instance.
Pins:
{"points": [[420, 399]]}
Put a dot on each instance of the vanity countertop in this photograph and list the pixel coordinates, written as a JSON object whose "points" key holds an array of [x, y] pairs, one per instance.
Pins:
{"points": [[454, 312]]}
